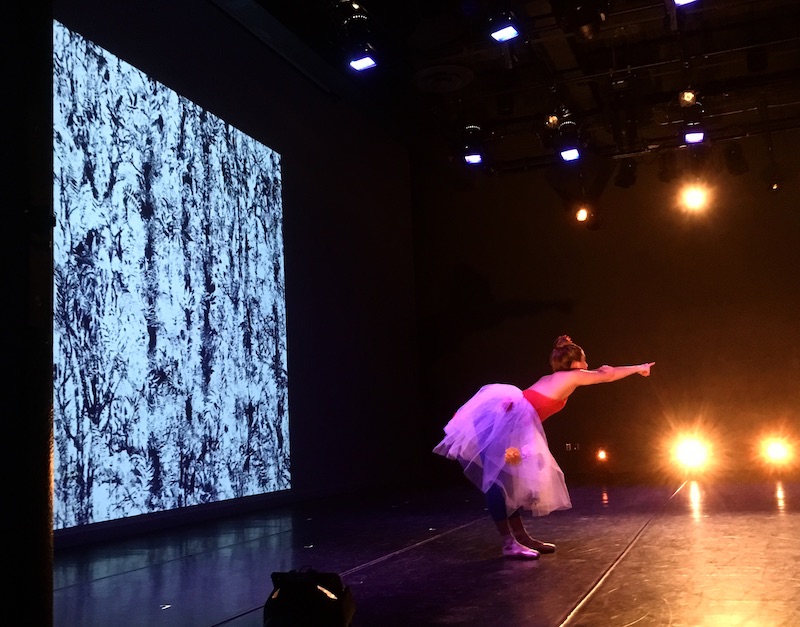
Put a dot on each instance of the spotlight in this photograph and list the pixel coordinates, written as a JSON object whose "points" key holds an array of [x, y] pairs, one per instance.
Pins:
{"points": [[504, 27], [695, 136], [681, 3], [473, 158], [587, 215], [363, 59], [776, 452], [687, 98], [570, 154], [694, 198], [691, 453], [472, 149], [693, 130], [567, 141], [626, 174], [357, 34]]}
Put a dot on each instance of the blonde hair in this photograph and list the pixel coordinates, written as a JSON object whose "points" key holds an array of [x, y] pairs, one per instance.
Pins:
{"points": [[565, 351]]}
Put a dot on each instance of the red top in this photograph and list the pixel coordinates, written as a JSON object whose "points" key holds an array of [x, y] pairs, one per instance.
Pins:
{"points": [[544, 405]]}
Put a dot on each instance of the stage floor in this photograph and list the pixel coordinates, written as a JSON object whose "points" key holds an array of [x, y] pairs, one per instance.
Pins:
{"points": [[687, 553]]}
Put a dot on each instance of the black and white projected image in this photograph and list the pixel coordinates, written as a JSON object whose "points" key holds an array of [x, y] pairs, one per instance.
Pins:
{"points": [[170, 366]]}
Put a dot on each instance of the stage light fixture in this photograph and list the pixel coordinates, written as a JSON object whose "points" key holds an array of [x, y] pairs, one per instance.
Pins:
{"points": [[693, 132], [586, 213], [357, 33], [570, 154], [682, 3], [694, 197], [694, 136], [472, 149], [567, 140], [363, 59], [504, 27], [776, 451], [687, 98], [691, 453]]}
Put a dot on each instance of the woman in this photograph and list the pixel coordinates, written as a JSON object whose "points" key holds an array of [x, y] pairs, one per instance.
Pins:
{"points": [[498, 438]]}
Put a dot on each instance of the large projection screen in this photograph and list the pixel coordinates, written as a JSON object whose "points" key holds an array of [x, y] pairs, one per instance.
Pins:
{"points": [[170, 366]]}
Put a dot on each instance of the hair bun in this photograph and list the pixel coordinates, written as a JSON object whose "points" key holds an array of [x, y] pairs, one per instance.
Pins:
{"points": [[563, 340]]}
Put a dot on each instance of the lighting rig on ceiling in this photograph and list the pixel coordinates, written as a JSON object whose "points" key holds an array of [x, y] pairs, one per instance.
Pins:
{"points": [[472, 145], [357, 35], [565, 133]]}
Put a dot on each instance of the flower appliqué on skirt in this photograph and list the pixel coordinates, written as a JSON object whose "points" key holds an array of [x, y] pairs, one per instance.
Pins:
{"points": [[513, 456]]}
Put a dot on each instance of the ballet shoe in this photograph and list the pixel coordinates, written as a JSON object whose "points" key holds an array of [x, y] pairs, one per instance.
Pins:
{"points": [[519, 551], [538, 545]]}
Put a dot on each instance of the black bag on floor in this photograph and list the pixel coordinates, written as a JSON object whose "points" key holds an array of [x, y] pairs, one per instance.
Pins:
{"points": [[308, 598]]}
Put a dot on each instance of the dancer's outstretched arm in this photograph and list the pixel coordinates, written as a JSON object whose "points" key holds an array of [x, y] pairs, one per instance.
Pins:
{"points": [[564, 382]]}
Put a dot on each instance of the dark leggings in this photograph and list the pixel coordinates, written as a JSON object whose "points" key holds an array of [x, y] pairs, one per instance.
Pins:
{"points": [[496, 504]]}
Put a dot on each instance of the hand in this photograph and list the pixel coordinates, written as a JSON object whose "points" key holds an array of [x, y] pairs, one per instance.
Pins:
{"points": [[644, 369]]}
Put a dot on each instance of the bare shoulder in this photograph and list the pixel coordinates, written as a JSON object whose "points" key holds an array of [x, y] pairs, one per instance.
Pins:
{"points": [[558, 385]]}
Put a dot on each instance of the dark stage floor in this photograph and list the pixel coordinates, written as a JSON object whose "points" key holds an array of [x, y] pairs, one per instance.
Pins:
{"points": [[689, 554]]}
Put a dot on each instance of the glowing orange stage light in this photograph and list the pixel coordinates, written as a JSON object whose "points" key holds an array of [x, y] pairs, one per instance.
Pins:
{"points": [[694, 197], [582, 214], [691, 453], [776, 451], [602, 455]]}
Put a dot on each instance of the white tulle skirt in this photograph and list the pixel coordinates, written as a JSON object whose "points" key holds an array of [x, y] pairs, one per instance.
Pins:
{"points": [[498, 438]]}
